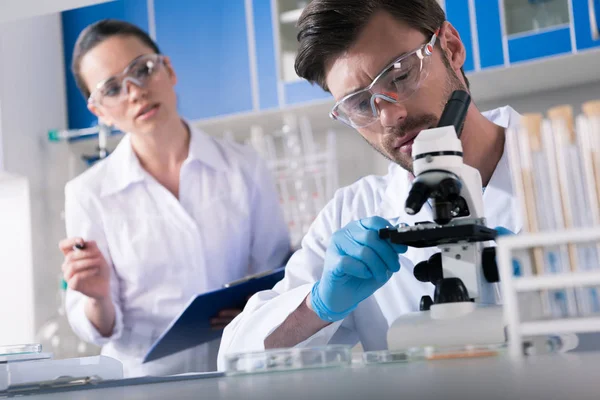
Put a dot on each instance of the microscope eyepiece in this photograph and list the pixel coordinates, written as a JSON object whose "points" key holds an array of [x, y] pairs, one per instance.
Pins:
{"points": [[418, 195], [456, 110]]}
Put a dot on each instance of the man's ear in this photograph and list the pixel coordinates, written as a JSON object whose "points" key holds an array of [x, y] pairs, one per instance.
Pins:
{"points": [[170, 70], [452, 46]]}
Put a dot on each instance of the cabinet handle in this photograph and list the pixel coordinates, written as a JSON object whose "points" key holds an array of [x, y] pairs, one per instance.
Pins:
{"points": [[593, 20]]}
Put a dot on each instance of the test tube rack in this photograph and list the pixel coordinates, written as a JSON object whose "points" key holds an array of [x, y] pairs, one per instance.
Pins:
{"points": [[508, 248], [555, 166]]}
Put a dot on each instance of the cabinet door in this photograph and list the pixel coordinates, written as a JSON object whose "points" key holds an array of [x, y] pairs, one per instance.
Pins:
{"points": [[207, 42], [489, 33], [266, 61], [586, 21], [458, 14], [292, 89], [74, 21], [537, 28]]}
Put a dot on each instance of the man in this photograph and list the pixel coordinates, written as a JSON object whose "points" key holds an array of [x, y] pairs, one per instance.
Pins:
{"points": [[345, 285]]}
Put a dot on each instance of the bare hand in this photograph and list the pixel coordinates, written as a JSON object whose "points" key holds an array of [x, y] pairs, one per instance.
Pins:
{"points": [[223, 319], [86, 270]]}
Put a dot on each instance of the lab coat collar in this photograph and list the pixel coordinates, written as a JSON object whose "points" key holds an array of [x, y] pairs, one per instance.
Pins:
{"points": [[124, 168], [500, 203], [204, 149]]}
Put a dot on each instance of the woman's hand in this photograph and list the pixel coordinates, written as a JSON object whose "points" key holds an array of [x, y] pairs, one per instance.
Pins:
{"points": [[85, 270]]}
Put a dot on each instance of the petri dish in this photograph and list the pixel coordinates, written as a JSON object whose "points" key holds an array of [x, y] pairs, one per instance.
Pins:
{"points": [[392, 356], [467, 351], [13, 349], [430, 353], [288, 359]]}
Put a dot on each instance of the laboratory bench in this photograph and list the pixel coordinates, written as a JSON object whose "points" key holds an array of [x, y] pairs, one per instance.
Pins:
{"points": [[558, 376]]}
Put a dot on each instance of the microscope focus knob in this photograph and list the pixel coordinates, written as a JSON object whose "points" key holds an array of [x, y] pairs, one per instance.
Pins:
{"points": [[451, 290], [430, 270], [426, 303]]}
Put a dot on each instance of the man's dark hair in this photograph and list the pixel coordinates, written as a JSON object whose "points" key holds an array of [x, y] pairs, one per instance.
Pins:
{"points": [[97, 33], [327, 28]]}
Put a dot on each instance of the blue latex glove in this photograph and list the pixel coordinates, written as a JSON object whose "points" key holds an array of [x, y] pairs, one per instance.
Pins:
{"points": [[502, 231], [357, 263]]}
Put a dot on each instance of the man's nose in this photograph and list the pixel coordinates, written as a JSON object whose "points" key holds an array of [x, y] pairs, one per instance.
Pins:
{"points": [[390, 111]]}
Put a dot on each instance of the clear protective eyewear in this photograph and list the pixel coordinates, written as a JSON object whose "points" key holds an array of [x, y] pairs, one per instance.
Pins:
{"points": [[113, 91], [396, 83]]}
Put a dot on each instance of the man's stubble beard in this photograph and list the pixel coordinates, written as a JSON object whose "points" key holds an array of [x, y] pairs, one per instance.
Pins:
{"points": [[405, 160]]}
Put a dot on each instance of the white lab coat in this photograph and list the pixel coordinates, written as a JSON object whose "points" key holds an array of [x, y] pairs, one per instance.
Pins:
{"points": [[382, 196], [226, 224]]}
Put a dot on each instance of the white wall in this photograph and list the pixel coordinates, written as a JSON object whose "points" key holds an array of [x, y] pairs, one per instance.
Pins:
{"points": [[12, 10], [542, 101], [32, 101]]}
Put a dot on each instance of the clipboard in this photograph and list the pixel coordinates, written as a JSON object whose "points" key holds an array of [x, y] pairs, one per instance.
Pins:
{"points": [[192, 326]]}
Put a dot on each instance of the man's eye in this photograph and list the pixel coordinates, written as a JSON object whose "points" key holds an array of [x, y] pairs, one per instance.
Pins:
{"points": [[401, 78], [363, 105]]}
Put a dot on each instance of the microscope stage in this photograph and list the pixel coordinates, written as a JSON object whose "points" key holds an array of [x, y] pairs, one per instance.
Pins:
{"points": [[430, 235]]}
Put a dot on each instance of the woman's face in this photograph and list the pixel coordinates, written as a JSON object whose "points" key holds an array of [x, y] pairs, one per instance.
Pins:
{"points": [[138, 109]]}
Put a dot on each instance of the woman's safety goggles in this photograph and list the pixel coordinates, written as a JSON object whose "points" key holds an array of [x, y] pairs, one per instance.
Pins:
{"points": [[114, 90], [396, 83]]}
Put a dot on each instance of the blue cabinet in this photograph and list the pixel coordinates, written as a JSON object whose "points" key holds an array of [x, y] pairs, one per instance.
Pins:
{"points": [[458, 14], [74, 21], [302, 92], [489, 33], [544, 44], [586, 17], [266, 61], [207, 43], [216, 45]]}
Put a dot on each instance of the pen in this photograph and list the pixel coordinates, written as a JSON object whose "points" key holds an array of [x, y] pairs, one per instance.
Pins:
{"points": [[247, 278], [79, 246]]}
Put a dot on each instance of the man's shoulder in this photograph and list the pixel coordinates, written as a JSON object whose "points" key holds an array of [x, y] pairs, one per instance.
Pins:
{"points": [[364, 197]]}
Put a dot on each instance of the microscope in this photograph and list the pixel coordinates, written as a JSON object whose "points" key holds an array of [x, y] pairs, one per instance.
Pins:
{"points": [[465, 309]]}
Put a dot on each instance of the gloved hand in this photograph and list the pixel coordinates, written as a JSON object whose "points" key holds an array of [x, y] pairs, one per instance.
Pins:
{"points": [[357, 263]]}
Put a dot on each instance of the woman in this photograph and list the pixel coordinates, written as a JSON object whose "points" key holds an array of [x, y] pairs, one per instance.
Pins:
{"points": [[169, 214]]}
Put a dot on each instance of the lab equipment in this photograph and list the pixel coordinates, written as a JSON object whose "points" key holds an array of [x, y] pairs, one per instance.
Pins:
{"points": [[346, 279], [17, 349], [278, 360], [432, 353], [101, 131], [465, 307], [554, 165], [305, 171], [17, 376]]}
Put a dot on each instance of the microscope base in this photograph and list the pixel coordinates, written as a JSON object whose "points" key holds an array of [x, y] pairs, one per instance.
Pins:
{"points": [[468, 324]]}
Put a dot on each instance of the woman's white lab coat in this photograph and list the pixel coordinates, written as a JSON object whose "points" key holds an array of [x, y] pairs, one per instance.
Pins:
{"points": [[382, 196], [226, 224]]}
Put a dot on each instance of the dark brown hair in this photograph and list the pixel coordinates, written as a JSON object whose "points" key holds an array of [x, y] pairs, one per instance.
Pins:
{"points": [[97, 33], [327, 28]]}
